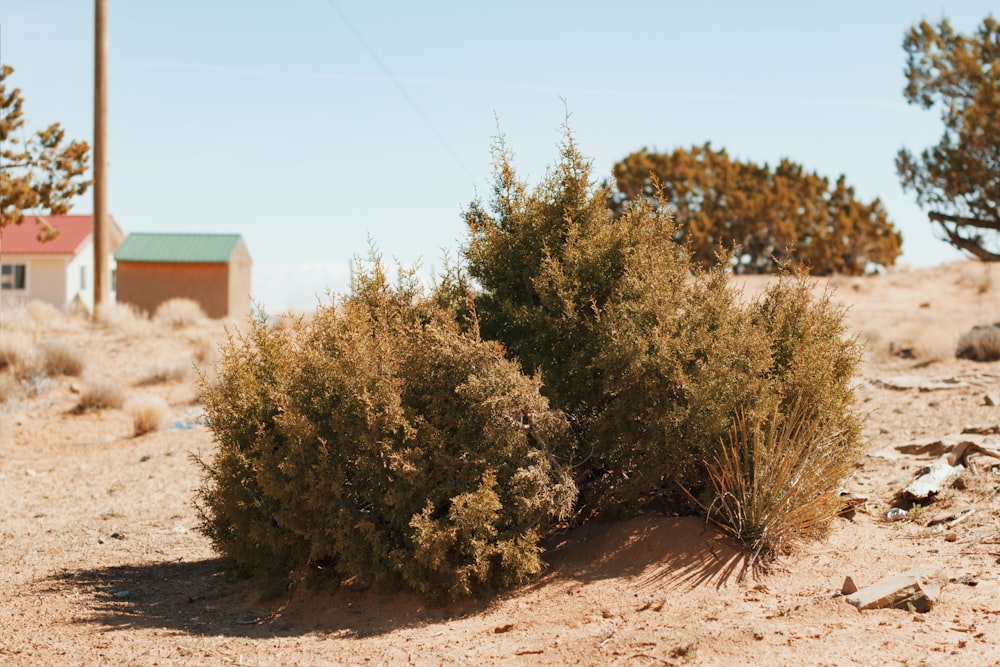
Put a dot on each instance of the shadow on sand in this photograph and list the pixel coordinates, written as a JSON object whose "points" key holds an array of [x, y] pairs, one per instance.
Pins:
{"points": [[675, 552], [197, 598]]}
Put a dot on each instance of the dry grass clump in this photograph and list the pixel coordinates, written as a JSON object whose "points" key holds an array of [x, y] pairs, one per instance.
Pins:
{"points": [[32, 318], [981, 343], [976, 276], [771, 481], [206, 350], [924, 340], [44, 314], [15, 349], [100, 395], [149, 413], [876, 346], [166, 371], [56, 357], [16, 317], [10, 389], [125, 317], [934, 342], [179, 313]]}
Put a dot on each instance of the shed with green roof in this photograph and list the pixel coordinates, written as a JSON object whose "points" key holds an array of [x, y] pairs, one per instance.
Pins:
{"points": [[212, 269]]}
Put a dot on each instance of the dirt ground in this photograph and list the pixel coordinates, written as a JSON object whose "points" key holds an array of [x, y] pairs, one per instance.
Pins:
{"points": [[101, 561]]}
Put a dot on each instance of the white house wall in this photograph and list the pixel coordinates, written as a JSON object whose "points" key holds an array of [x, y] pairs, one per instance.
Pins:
{"points": [[84, 288], [45, 280], [56, 279]]}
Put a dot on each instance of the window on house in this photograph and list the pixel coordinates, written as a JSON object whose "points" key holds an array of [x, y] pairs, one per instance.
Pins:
{"points": [[83, 277], [114, 280], [12, 276]]}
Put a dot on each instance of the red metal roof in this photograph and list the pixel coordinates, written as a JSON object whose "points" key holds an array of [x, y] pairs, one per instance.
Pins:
{"points": [[74, 232]]}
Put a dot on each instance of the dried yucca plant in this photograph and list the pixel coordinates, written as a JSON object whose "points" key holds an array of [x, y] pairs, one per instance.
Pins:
{"points": [[777, 480]]}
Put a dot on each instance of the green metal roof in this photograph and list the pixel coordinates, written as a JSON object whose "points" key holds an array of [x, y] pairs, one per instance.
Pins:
{"points": [[178, 248]]}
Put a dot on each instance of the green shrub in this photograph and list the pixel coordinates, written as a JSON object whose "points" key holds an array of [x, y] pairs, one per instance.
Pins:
{"points": [[678, 356], [651, 358], [382, 440], [813, 360]]}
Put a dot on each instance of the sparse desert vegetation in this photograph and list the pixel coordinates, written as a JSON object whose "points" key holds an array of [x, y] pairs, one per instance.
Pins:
{"points": [[10, 388], [92, 513], [123, 317], [179, 313], [149, 413], [167, 371], [431, 440], [604, 435], [15, 347], [100, 395], [981, 343], [58, 357]]}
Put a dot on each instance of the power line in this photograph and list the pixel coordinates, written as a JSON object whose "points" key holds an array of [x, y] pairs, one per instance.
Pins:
{"points": [[402, 90]]}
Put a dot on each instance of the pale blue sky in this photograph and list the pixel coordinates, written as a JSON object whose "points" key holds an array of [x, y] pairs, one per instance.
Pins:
{"points": [[274, 120]]}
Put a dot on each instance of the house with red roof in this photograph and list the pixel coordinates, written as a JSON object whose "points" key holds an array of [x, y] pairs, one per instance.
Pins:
{"points": [[51, 258]]}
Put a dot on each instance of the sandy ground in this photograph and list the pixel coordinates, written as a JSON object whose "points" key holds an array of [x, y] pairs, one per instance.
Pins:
{"points": [[101, 562]]}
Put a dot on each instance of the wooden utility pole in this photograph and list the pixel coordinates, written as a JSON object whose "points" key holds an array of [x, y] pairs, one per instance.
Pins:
{"points": [[102, 276]]}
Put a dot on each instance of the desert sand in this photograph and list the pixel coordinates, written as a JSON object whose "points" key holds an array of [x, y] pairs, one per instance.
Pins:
{"points": [[101, 561]]}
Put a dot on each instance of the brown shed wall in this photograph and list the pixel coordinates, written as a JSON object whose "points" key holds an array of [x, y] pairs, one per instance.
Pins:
{"points": [[148, 284]]}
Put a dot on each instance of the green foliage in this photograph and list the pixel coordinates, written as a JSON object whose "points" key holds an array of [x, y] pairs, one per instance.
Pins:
{"points": [[547, 263], [958, 179], [386, 443], [651, 357], [768, 218]]}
